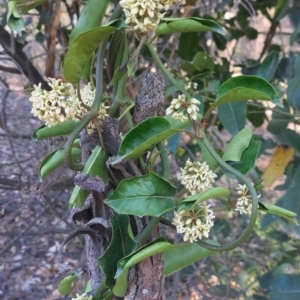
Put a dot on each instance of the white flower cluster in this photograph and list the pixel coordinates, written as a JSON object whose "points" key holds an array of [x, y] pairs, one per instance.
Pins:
{"points": [[62, 103], [83, 297], [87, 95], [190, 86], [55, 106], [145, 14], [197, 176], [179, 105], [194, 224], [244, 203]]}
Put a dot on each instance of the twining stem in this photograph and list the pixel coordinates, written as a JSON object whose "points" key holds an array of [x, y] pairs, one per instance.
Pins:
{"points": [[166, 72], [146, 232], [166, 222], [252, 191], [167, 173], [74, 134], [80, 99]]}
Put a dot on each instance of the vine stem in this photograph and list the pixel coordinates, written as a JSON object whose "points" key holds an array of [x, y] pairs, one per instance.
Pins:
{"points": [[166, 72], [145, 233], [73, 135], [252, 191], [167, 173]]}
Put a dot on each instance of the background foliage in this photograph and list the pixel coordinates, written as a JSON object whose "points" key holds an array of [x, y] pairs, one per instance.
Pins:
{"points": [[262, 39]]}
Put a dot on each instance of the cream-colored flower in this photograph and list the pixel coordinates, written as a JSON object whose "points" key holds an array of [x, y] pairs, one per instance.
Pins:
{"points": [[180, 105], [145, 14], [83, 297], [244, 202], [194, 224], [62, 104], [197, 176], [55, 106], [190, 86]]}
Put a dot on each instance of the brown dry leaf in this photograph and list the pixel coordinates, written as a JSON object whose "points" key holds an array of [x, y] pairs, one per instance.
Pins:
{"points": [[276, 167]]}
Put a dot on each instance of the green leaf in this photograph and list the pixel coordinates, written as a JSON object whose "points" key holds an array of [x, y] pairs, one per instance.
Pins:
{"points": [[294, 35], [286, 286], [217, 192], [157, 246], [280, 119], [64, 287], [207, 157], [120, 246], [95, 166], [290, 199], [279, 211], [55, 160], [90, 17], [238, 145], [144, 136], [183, 255], [290, 138], [27, 7], [60, 129], [256, 115], [188, 45], [148, 195], [246, 87], [83, 47], [293, 90], [233, 116], [269, 66], [14, 20], [202, 61], [173, 25], [248, 158]]}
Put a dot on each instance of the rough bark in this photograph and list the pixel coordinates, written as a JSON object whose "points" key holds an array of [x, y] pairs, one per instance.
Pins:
{"points": [[147, 283]]}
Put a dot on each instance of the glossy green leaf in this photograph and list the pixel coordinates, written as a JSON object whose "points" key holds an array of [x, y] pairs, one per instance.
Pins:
{"points": [[173, 25], [217, 192], [246, 87], [55, 160], [248, 159], [148, 195], [269, 66], [182, 255], [95, 166], [90, 17], [285, 286], [144, 136], [120, 246], [60, 129], [279, 211], [233, 116], [64, 286], [83, 47], [157, 246], [14, 19], [238, 145]]}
